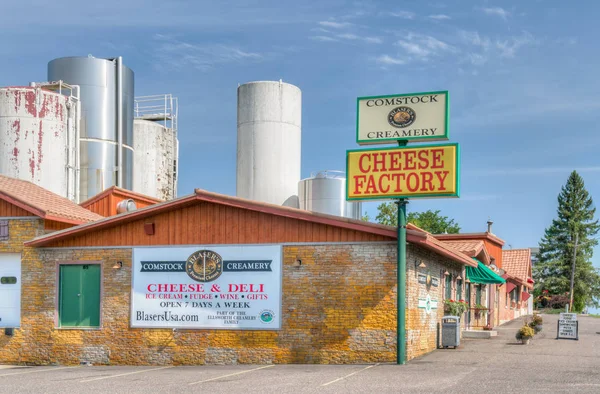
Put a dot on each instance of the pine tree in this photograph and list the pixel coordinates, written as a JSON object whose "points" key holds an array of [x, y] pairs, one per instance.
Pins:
{"points": [[575, 222]]}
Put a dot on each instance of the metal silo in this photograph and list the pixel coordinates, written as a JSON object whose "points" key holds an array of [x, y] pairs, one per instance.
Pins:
{"points": [[325, 192], [155, 146], [37, 138], [269, 121], [106, 137]]}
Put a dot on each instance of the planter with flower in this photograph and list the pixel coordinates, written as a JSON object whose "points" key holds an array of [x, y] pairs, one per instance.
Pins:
{"points": [[455, 308], [536, 323], [524, 334], [479, 311]]}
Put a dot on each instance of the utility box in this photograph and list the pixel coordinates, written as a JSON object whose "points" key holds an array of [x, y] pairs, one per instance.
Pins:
{"points": [[450, 331]]}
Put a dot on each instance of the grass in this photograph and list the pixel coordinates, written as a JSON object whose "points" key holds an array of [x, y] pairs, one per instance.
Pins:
{"points": [[551, 311], [594, 315]]}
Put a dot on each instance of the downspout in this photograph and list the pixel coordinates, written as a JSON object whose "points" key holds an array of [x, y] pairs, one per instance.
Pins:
{"points": [[70, 159], [120, 121], [77, 144]]}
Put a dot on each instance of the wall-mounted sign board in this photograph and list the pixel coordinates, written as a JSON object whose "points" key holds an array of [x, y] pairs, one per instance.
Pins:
{"points": [[403, 172], [409, 117]]}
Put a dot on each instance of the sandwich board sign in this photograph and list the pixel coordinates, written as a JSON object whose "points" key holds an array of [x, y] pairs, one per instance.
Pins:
{"points": [[568, 327]]}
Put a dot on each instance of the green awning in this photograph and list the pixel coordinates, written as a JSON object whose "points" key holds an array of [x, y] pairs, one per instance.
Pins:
{"points": [[483, 275]]}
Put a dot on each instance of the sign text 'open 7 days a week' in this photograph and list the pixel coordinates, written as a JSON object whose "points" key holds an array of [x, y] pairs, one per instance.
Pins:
{"points": [[408, 117], [424, 171]]}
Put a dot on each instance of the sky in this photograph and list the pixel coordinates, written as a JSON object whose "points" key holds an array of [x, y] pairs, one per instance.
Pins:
{"points": [[521, 76]]}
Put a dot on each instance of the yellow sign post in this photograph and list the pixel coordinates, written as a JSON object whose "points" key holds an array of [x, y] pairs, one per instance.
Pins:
{"points": [[424, 171]]}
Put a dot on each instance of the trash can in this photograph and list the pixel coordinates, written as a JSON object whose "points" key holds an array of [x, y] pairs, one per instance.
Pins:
{"points": [[450, 331]]}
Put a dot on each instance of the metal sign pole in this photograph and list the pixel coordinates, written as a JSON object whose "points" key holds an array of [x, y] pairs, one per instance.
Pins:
{"points": [[401, 271], [401, 278]]}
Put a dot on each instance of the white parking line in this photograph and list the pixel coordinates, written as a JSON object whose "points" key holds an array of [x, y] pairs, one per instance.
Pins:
{"points": [[231, 374], [122, 374], [36, 370], [347, 376]]}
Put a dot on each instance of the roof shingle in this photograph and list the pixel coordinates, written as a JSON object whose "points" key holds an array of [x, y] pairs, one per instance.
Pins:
{"points": [[516, 262], [42, 202]]}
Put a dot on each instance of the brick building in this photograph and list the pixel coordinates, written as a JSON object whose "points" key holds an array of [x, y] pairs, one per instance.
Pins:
{"points": [[329, 296]]}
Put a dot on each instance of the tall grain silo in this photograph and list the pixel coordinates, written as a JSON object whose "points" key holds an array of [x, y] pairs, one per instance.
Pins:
{"points": [[325, 192], [37, 137], [106, 136], [269, 123], [155, 145]]}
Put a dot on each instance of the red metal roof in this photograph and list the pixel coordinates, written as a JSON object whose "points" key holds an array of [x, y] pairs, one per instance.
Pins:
{"points": [[415, 235], [43, 203]]}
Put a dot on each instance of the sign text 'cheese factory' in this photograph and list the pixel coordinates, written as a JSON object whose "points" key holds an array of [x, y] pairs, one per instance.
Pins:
{"points": [[404, 172]]}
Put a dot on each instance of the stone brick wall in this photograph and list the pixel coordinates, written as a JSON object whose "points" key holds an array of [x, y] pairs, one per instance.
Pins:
{"points": [[422, 327], [339, 306]]}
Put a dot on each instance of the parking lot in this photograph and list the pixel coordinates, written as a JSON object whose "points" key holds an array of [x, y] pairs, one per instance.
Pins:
{"points": [[496, 365]]}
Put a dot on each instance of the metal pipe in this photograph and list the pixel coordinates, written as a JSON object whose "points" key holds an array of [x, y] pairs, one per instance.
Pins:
{"points": [[77, 144], [120, 121]]}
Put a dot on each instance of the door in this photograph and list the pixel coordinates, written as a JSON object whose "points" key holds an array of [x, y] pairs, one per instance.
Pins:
{"points": [[10, 290], [79, 295]]}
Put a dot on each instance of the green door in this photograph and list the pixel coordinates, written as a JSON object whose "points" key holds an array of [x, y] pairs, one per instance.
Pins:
{"points": [[79, 297]]}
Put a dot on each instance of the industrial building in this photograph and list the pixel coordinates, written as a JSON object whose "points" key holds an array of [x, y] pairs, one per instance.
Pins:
{"points": [[101, 262]]}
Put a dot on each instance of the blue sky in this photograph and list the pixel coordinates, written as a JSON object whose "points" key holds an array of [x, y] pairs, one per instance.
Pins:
{"points": [[522, 77]]}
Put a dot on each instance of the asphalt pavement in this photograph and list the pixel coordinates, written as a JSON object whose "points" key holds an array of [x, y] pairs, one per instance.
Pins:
{"points": [[497, 365]]}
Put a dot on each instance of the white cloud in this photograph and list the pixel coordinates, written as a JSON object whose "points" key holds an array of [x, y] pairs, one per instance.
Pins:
{"points": [[177, 54], [350, 36], [373, 40], [473, 38], [439, 17], [335, 25], [323, 38], [497, 11], [422, 46], [388, 60], [508, 48], [402, 14], [320, 30]]}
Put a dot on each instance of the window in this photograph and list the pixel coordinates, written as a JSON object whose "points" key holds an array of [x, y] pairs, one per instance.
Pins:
{"points": [[8, 280], [459, 289], [478, 294], [79, 295], [3, 230], [468, 293], [448, 286]]}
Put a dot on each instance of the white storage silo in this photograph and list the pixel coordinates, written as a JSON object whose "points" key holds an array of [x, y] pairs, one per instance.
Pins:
{"points": [[154, 159], [269, 122], [325, 192], [37, 138], [106, 133]]}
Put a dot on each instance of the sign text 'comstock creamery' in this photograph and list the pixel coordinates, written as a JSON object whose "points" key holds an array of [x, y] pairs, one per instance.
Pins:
{"points": [[409, 117]]}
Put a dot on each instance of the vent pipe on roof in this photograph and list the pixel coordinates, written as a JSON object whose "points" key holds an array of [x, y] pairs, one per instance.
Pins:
{"points": [[126, 206], [489, 223]]}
